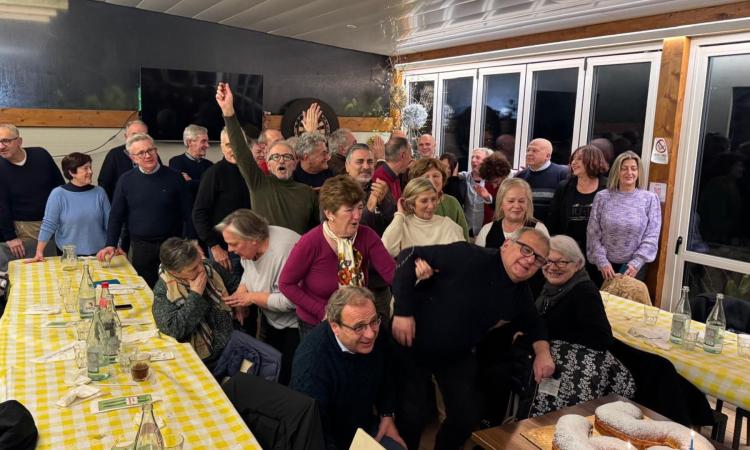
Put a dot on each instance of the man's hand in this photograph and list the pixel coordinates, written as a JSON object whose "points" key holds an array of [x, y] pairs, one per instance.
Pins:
{"points": [[482, 192], [105, 253], [311, 118], [221, 256], [422, 269], [186, 176], [607, 272], [16, 247], [378, 148], [404, 329], [388, 428], [378, 191], [198, 285], [544, 365], [225, 99]]}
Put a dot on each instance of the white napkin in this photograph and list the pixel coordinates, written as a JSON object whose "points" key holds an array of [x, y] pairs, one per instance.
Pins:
{"points": [[76, 378], [42, 309], [140, 337], [115, 288], [65, 353], [134, 321], [83, 393], [658, 337]]}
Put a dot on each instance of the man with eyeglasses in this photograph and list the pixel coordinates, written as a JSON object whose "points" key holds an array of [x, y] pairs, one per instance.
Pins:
{"points": [[27, 176], [344, 365], [153, 201], [447, 298], [277, 197]]}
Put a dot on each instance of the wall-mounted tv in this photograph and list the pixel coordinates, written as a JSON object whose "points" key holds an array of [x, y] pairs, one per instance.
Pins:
{"points": [[173, 99]]}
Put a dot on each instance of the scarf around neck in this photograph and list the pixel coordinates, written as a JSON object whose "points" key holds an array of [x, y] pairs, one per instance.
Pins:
{"points": [[178, 290], [350, 260], [551, 295]]}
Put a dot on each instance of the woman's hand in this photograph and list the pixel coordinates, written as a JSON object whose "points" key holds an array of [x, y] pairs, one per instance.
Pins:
{"points": [[422, 269], [631, 271], [238, 299], [608, 273], [39, 257], [400, 205]]}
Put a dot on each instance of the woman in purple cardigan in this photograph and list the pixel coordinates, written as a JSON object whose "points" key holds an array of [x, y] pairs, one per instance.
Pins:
{"points": [[623, 231], [336, 253]]}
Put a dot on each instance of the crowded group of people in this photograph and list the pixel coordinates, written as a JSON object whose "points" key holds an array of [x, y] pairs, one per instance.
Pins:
{"points": [[372, 272]]}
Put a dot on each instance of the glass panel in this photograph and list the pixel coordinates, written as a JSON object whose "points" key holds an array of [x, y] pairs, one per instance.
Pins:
{"points": [[712, 280], [618, 105], [423, 92], [457, 103], [500, 112], [553, 104], [720, 210]]}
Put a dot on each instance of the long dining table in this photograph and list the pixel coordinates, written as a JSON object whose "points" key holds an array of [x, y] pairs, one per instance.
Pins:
{"points": [[36, 357], [723, 375]]}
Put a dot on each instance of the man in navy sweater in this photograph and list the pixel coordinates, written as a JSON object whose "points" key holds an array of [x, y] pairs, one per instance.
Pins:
{"points": [[344, 366], [542, 175], [154, 202], [27, 176], [118, 161]]}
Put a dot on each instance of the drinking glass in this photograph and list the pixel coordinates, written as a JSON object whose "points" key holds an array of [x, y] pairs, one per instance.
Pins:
{"points": [[690, 340], [69, 257], [127, 350], [82, 329], [139, 366], [743, 345], [173, 441], [80, 352], [70, 303], [650, 315]]}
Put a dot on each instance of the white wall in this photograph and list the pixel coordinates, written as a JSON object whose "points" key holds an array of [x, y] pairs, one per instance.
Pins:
{"points": [[62, 141]]}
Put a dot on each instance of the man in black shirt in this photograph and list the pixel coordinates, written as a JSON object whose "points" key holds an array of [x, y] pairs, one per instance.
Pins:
{"points": [[118, 161], [447, 297], [154, 202], [313, 156], [27, 176], [222, 191]]}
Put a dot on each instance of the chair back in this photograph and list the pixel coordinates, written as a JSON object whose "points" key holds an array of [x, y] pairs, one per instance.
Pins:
{"points": [[736, 310], [628, 287]]}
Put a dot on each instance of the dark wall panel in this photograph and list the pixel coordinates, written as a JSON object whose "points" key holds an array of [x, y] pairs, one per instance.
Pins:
{"points": [[89, 57]]}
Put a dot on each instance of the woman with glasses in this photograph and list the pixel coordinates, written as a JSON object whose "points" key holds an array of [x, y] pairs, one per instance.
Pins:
{"points": [[416, 222], [188, 299], [514, 209], [77, 212], [623, 230], [336, 253]]}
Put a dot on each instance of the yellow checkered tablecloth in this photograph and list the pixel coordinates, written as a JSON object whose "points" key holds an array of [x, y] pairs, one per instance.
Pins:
{"points": [[192, 404], [724, 376]]}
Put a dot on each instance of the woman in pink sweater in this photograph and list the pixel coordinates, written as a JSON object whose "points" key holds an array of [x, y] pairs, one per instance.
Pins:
{"points": [[336, 253]]}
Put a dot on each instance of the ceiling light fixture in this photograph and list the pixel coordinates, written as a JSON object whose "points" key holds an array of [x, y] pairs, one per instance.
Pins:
{"points": [[351, 26]]}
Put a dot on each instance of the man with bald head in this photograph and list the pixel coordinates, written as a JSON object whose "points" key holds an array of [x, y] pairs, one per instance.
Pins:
{"points": [[426, 146], [542, 175], [276, 196]]}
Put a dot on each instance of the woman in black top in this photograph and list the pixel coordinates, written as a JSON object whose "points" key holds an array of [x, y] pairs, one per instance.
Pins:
{"points": [[571, 205]]}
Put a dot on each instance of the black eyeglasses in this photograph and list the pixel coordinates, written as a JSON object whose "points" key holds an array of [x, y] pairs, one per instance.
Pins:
{"points": [[360, 328], [527, 251], [560, 263], [143, 154], [279, 156], [8, 141]]}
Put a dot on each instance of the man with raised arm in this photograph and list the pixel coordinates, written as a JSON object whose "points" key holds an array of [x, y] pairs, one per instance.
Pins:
{"points": [[276, 196]]}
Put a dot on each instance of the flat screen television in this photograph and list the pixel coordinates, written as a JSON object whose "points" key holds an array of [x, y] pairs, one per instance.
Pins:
{"points": [[172, 99]]}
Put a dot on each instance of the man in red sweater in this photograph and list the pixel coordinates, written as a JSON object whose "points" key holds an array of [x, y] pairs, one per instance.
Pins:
{"points": [[397, 159]]}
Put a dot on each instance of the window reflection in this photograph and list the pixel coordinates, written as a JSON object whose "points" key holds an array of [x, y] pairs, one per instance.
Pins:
{"points": [[423, 92], [712, 280], [457, 103], [553, 110], [500, 112], [721, 198], [619, 101]]}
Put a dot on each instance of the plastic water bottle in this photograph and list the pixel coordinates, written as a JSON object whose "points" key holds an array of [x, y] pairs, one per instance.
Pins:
{"points": [[713, 341], [111, 323], [96, 343], [149, 437], [86, 294], [681, 318]]}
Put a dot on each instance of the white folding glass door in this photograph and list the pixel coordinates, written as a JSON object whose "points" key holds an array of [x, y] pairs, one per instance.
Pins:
{"points": [[498, 121], [421, 89], [619, 100], [709, 232], [455, 103]]}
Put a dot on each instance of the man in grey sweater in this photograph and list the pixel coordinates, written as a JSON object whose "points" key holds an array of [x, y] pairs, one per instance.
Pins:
{"points": [[263, 250]]}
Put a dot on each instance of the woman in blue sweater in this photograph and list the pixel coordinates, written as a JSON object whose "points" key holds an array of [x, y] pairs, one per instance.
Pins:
{"points": [[76, 212]]}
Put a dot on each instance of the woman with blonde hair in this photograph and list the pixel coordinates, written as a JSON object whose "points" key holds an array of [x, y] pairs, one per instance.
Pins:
{"points": [[448, 206], [625, 222], [416, 224], [514, 209]]}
